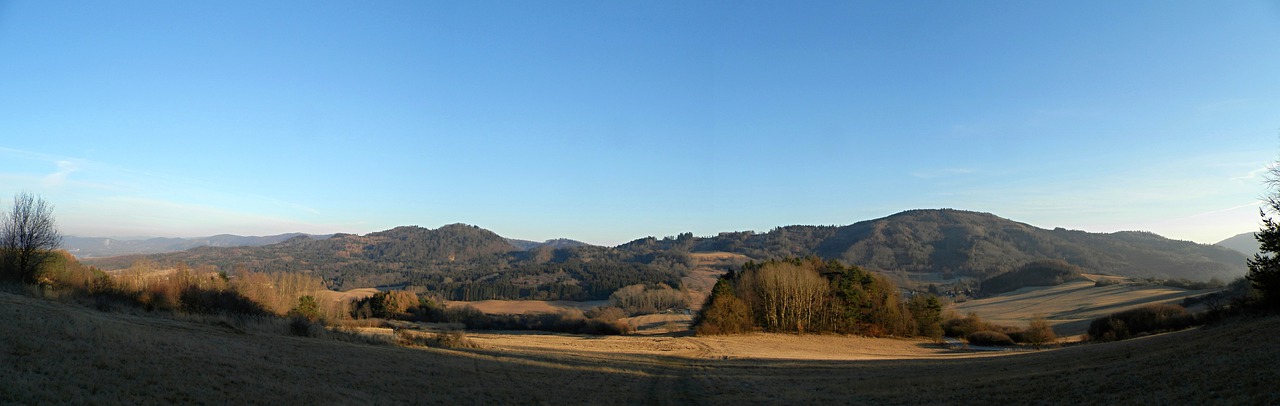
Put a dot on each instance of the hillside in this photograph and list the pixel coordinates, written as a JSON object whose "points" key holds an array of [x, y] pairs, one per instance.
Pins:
{"points": [[457, 261], [555, 243], [57, 353], [96, 247], [1072, 305], [980, 245], [463, 262], [1244, 242]]}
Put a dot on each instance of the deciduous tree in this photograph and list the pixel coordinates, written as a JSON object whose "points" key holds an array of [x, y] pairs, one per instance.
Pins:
{"points": [[28, 236]]}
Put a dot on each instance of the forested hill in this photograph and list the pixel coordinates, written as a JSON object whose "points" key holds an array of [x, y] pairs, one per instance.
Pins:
{"points": [[469, 262], [459, 261], [965, 243], [1245, 243]]}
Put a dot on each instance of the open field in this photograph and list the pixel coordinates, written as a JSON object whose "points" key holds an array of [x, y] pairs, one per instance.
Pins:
{"points": [[707, 268], [345, 296], [526, 306], [63, 353], [1072, 305]]}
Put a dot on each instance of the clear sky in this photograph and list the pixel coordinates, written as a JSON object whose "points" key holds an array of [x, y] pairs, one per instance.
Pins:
{"points": [[610, 121]]}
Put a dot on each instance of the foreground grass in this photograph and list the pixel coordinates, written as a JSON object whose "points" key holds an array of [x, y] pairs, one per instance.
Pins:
{"points": [[53, 352]]}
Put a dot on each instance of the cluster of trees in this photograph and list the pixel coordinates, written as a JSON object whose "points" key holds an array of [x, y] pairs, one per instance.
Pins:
{"points": [[1049, 272], [977, 331], [1143, 320], [599, 321], [189, 290], [812, 295], [641, 299]]}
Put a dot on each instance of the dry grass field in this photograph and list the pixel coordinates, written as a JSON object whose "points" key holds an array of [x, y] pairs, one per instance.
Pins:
{"points": [[53, 352], [1070, 306], [707, 268], [526, 306], [345, 296]]}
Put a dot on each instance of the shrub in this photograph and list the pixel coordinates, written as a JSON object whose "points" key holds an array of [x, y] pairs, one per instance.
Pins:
{"points": [[307, 308], [1038, 332], [724, 313], [989, 338], [302, 327], [451, 338], [1143, 320], [964, 326], [196, 300]]}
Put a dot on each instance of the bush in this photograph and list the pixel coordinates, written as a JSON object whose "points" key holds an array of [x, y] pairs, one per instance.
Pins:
{"points": [[444, 339], [1038, 333], [1143, 320], [989, 338], [964, 326], [302, 326], [724, 313]]}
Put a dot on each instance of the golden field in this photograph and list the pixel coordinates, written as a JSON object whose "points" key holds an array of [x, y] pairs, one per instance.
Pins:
{"points": [[52, 352]]}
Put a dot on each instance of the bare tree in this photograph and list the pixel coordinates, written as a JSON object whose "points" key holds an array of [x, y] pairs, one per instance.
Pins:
{"points": [[789, 296], [28, 235]]}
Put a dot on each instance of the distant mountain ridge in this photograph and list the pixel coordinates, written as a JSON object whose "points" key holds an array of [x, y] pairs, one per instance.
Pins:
{"points": [[554, 243], [471, 263], [94, 247], [1243, 242], [979, 245]]}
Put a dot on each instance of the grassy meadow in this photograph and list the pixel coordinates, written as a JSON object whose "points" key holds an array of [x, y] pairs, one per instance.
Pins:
{"points": [[56, 352], [1072, 305]]}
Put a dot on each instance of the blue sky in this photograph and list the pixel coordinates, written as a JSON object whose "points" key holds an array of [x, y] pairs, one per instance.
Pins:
{"points": [[610, 121]]}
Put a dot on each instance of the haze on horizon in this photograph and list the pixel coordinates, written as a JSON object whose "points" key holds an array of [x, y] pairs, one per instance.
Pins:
{"points": [[610, 122]]}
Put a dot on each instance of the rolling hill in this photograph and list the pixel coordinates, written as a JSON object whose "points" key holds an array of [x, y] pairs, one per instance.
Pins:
{"points": [[61, 353], [1243, 242], [981, 245], [96, 247], [466, 262]]}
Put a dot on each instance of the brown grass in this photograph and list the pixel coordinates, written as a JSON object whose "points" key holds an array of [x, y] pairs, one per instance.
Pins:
{"points": [[526, 306], [63, 353], [1069, 307], [707, 268]]}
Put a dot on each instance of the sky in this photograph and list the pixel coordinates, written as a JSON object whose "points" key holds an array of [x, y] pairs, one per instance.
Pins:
{"points": [[611, 121]]}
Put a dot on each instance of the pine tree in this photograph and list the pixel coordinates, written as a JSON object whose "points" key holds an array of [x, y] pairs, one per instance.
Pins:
{"points": [[1264, 267]]}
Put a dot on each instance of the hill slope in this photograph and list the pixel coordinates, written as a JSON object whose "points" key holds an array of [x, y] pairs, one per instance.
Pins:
{"points": [[1244, 242], [465, 262], [981, 245], [95, 247], [58, 353], [457, 261]]}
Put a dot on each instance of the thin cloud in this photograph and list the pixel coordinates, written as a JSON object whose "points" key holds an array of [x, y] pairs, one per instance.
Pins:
{"points": [[59, 178], [942, 173], [1254, 174]]}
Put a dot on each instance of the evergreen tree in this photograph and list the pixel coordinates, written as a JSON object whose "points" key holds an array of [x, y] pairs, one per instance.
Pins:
{"points": [[1264, 267]]}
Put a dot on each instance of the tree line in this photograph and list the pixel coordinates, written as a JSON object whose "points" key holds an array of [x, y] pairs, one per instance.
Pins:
{"points": [[812, 295]]}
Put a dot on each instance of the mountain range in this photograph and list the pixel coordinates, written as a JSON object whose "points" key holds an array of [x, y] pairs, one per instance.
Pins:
{"points": [[92, 247], [1244, 242], [468, 263]]}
